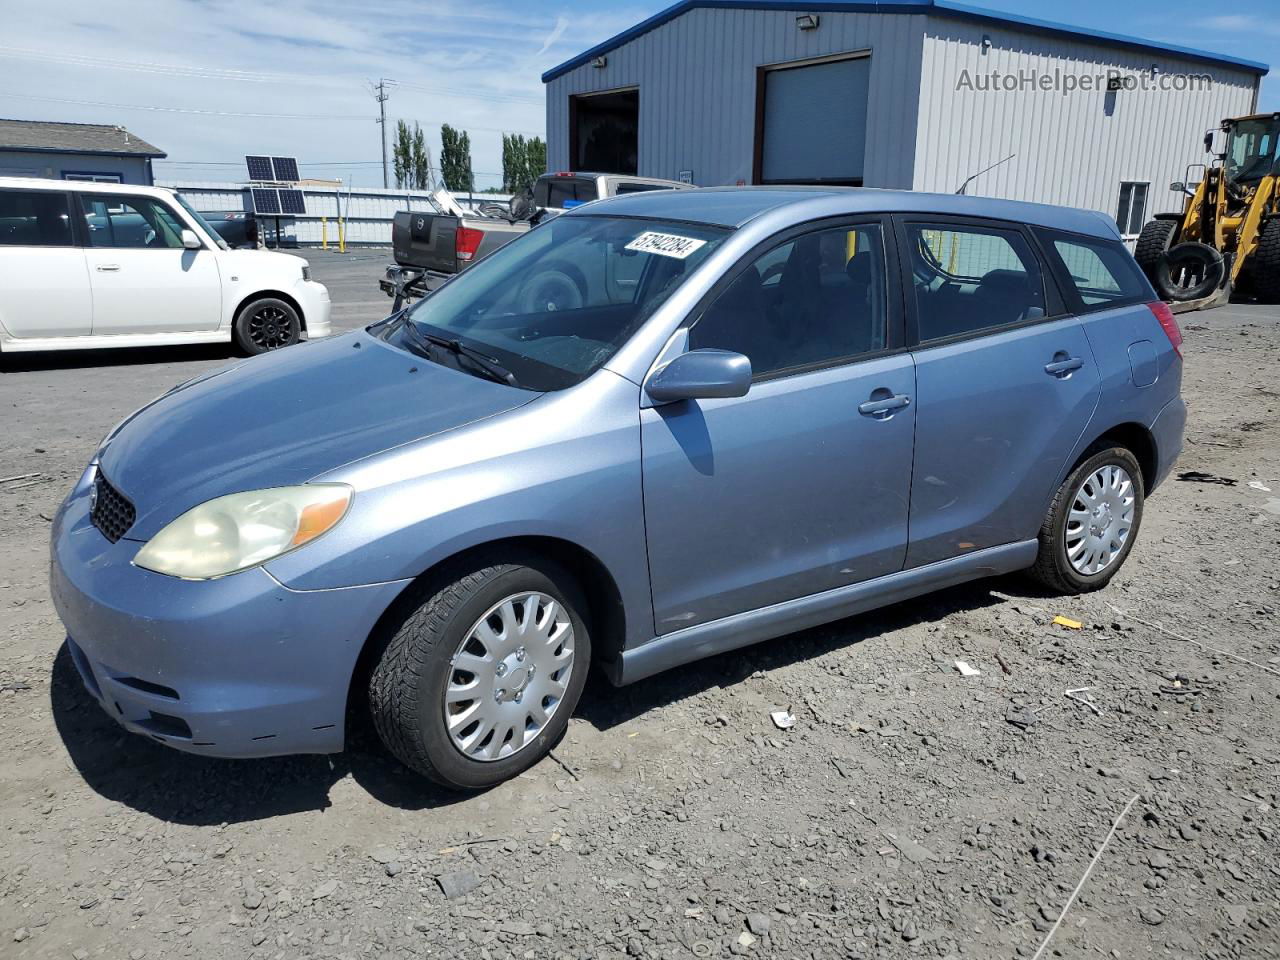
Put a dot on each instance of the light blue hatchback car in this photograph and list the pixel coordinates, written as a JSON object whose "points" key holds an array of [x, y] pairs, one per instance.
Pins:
{"points": [[656, 428]]}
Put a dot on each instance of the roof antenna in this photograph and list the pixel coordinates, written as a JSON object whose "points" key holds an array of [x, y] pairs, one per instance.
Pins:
{"points": [[963, 186]]}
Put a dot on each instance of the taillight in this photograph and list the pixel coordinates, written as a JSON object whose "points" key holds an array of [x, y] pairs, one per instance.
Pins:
{"points": [[468, 242], [1168, 324]]}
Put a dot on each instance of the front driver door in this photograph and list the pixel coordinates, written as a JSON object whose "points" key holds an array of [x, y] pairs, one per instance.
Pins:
{"points": [[802, 485], [144, 280]]}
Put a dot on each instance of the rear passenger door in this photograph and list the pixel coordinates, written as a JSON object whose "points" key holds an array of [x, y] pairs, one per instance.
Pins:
{"points": [[1005, 384], [44, 283]]}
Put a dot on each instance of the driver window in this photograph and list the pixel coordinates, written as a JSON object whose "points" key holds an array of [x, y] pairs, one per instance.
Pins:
{"points": [[130, 222], [817, 299]]}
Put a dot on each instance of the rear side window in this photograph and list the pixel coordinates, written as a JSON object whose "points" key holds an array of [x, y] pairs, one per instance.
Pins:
{"points": [[970, 278], [30, 218], [1101, 272], [564, 191]]}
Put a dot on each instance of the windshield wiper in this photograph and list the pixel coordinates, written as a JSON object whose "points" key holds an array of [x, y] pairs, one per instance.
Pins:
{"points": [[490, 367]]}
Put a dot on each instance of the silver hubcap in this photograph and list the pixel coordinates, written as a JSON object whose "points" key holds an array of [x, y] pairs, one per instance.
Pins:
{"points": [[509, 676], [1100, 520]]}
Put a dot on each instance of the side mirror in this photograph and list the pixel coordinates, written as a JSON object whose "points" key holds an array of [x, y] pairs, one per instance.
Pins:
{"points": [[701, 375], [1208, 141], [190, 240]]}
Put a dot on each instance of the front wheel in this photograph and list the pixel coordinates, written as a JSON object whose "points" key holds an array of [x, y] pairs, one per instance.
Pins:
{"points": [[478, 683], [266, 324], [1092, 523]]}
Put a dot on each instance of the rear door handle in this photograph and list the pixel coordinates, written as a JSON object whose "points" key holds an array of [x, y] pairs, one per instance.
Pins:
{"points": [[883, 408], [108, 267], [1062, 365]]}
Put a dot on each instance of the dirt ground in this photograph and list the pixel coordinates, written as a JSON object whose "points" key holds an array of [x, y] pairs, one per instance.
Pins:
{"points": [[910, 812]]}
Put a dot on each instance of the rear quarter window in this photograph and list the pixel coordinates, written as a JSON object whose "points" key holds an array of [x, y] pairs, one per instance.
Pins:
{"points": [[31, 218], [1101, 273]]}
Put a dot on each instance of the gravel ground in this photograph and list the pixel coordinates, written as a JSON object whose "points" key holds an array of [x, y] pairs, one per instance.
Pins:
{"points": [[910, 812]]}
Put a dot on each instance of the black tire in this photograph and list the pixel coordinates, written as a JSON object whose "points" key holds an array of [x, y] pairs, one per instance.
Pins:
{"points": [[408, 681], [1264, 265], [266, 324], [1156, 237], [1053, 568], [1189, 271]]}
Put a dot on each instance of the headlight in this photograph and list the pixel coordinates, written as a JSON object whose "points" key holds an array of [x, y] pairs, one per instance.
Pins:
{"points": [[243, 530], [306, 271]]}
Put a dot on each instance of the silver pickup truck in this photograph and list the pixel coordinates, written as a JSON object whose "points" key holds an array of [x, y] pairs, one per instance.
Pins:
{"points": [[431, 247]]}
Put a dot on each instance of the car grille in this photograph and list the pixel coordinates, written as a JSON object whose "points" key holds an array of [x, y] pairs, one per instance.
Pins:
{"points": [[112, 514]]}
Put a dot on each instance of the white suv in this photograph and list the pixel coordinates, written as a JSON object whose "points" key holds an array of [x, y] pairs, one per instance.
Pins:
{"points": [[116, 265]]}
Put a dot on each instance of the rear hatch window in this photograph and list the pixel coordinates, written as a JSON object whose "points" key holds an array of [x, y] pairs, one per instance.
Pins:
{"points": [[564, 192]]}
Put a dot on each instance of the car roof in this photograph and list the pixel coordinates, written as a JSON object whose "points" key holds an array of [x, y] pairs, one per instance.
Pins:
{"points": [[737, 206], [83, 186]]}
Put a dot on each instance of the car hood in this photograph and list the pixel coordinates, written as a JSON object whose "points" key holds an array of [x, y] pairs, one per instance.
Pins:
{"points": [[284, 418]]}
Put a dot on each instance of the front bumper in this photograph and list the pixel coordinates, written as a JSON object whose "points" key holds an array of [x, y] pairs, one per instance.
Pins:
{"points": [[236, 667], [313, 297]]}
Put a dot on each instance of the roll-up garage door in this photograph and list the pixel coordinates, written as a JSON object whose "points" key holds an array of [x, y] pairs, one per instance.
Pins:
{"points": [[814, 127]]}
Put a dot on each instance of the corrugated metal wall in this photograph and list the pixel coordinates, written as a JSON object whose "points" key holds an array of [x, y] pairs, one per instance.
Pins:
{"points": [[1073, 150], [368, 211], [697, 80]]}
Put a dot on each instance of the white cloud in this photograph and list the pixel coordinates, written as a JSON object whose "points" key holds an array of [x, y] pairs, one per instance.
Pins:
{"points": [[561, 26]]}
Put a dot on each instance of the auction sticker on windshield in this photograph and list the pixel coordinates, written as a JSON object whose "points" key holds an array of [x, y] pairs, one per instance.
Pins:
{"points": [[665, 244]]}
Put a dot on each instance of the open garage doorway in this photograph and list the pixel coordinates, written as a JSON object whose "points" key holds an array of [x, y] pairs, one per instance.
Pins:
{"points": [[811, 121], [604, 131]]}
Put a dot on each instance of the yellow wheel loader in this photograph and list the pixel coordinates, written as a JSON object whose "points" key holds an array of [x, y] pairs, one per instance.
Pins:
{"points": [[1228, 236]]}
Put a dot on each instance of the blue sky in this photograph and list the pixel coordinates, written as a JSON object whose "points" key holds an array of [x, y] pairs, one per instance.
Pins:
{"points": [[211, 80]]}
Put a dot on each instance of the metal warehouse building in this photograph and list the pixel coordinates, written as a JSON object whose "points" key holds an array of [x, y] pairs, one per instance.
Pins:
{"points": [[899, 93]]}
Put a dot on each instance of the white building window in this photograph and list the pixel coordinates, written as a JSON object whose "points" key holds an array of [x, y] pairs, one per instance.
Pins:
{"points": [[94, 177], [1132, 211]]}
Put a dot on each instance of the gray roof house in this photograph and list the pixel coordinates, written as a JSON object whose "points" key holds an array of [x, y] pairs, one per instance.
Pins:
{"points": [[75, 151]]}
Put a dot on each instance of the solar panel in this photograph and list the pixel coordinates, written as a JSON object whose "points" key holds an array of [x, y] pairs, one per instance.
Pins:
{"points": [[259, 168], [286, 169], [292, 201], [266, 201]]}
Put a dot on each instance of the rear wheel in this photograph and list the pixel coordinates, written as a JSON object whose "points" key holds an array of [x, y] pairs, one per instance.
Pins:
{"points": [[267, 324], [1264, 265], [478, 683], [1155, 239], [1092, 523], [1189, 271]]}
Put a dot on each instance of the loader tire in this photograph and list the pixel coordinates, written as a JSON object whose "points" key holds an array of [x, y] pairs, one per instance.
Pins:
{"points": [[1189, 271], [1156, 237], [1264, 265]]}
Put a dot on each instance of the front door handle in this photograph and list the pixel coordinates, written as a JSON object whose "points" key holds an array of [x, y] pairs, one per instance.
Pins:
{"points": [[1062, 365], [882, 408], [108, 267]]}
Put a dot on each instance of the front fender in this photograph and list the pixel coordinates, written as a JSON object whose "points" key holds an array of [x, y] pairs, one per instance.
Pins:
{"points": [[566, 466]]}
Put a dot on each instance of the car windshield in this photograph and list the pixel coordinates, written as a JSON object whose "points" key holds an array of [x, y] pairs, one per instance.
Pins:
{"points": [[1251, 152], [554, 305], [204, 224]]}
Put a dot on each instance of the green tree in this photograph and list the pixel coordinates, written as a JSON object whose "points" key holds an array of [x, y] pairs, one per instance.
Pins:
{"points": [[421, 160], [523, 161], [455, 159], [535, 158], [402, 155]]}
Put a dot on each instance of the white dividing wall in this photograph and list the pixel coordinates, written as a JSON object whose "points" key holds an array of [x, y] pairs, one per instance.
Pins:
{"points": [[369, 211]]}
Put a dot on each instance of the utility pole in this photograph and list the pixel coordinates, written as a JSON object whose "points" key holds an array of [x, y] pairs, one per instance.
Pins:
{"points": [[380, 94]]}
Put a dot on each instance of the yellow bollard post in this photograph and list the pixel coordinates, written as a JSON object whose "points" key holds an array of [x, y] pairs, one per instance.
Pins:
{"points": [[324, 233], [342, 235]]}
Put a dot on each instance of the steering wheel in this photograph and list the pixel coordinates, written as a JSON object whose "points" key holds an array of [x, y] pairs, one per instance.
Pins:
{"points": [[559, 287]]}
